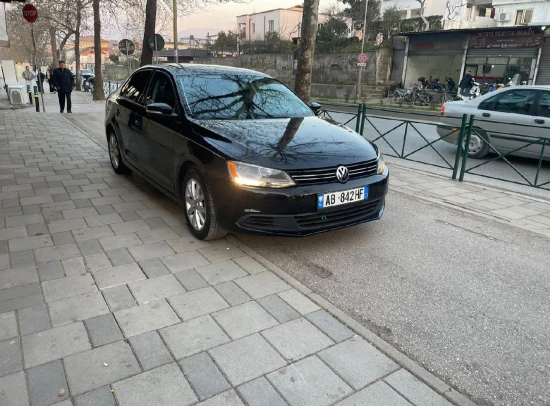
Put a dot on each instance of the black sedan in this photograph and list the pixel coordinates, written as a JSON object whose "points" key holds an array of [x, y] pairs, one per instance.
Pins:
{"points": [[242, 153]]}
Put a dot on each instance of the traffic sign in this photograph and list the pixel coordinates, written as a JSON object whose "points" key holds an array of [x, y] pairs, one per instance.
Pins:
{"points": [[126, 47], [30, 13], [362, 58], [362, 64], [155, 42]]}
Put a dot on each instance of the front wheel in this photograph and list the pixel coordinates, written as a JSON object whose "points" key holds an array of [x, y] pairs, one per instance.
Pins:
{"points": [[115, 156], [479, 147], [200, 211]]}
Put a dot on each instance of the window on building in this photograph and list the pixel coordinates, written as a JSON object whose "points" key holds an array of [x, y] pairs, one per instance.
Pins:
{"points": [[271, 25], [524, 16], [253, 28]]}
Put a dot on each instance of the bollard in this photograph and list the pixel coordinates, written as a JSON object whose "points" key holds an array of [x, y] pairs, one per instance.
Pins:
{"points": [[36, 99], [30, 94]]}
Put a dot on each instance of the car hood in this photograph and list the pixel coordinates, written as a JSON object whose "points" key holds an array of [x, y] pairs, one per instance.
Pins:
{"points": [[287, 143]]}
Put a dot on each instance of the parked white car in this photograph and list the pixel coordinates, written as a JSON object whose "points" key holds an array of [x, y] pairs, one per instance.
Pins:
{"points": [[507, 119]]}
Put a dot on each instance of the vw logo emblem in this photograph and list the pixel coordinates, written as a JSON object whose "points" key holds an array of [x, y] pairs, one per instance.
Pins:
{"points": [[342, 174]]}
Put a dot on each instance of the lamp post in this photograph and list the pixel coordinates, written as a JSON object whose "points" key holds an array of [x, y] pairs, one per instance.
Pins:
{"points": [[175, 11], [358, 91]]}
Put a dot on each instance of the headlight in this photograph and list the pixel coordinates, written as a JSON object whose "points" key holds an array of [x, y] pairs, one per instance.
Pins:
{"points": [[253, 175], [381, 163]]}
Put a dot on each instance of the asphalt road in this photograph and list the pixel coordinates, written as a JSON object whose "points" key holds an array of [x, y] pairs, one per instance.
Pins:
{"points": [[466, 297]]}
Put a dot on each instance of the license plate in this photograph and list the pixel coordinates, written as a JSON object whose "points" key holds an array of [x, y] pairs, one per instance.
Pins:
{"points": [[326, 200]]}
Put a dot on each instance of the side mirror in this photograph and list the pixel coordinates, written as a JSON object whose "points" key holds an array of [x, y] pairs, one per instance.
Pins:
{"points": [[160, 109], [316, 107]]}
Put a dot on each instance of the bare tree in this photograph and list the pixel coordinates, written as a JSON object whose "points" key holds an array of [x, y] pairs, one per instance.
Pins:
{"points": [[451, 7], [426, 23], [302, 83], [99, 94]]}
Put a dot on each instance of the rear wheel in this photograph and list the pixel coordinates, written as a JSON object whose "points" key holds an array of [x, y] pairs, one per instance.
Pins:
{"points": [[479, 147], [200, 211], [115, 155]]}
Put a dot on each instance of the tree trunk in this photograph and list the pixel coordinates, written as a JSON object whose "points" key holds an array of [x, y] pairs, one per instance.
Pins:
{"points": [[302, 84], [53, 43], [150, 19], [99, 94], [77, 43]]}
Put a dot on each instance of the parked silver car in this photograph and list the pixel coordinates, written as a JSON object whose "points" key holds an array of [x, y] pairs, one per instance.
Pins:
{"points": [[507, 119]]}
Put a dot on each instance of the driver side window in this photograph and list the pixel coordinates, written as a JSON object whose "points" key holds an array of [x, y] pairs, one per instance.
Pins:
{"points": [[161, 90]]}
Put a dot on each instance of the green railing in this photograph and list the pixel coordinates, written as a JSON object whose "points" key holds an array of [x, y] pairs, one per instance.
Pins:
{"points": [[405, 138]]}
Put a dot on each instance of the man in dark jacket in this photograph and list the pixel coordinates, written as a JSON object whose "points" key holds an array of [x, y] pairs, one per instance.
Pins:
{"points": [[466, 84], [63, 81]]}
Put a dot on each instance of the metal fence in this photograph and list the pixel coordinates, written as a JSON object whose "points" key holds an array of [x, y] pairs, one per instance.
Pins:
{"points": [[109, 87], [419, 137]]}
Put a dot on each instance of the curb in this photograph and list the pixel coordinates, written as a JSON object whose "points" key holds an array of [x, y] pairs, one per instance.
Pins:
{"points": [[449, 393]]}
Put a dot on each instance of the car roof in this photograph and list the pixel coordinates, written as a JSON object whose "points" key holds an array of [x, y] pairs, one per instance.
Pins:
{"points": [[200, 69]]}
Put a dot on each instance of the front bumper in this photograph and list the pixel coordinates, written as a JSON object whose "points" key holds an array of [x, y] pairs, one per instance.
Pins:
{"points": [[293, 211]]}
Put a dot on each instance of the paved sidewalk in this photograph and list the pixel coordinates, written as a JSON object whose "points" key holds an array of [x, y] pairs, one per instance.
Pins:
{"points": [[105, 297], [520, 210]]}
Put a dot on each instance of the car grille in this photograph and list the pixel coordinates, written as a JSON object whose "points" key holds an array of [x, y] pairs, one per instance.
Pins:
{"points": [[328, 175], [260, 222], [333, 218]]}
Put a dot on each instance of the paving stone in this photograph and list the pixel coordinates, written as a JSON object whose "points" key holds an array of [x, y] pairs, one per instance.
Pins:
{"points": [[74, 266], [165, 386], [182, 230], [147, 317], [130, 226], [18, 277], [231, 292], [79, 213], [95, 262], [245, 319], [150, 350], [91, 233], [97, 397], [379, 394], [222, 251], [8, 326], [330, 326], [11, 360], [120, 241], [103, 330], [119, 257], [3, 247], [156, 288], [64, 288], [22, 259], [20, 297], [58, 253], [35, 200], [197, 303], [50, 270], [160, 234], [193, 336], [105, 209], [306, 339], [186, 244], [30, 243], [118, 275], [309, 382], [13, 232], [358, 362], [204, 375], [45, 346], [89, 247], [221, 272], [262, 284], [298, 301], [13, 390], [151, 213], [24, 220], [4, 262], [414, 390], [119, 298], [104, 219], [63, 238], [153, 268], [259, 392], [149, 251], [37, 229], [131, 206], [77, 308], [84, 195], [130, 216], [246, 359], [184, 261], [228, 398], [120, 360], [249, 265], [67, 225], [278, 308], [47, 384], [34, 319]]}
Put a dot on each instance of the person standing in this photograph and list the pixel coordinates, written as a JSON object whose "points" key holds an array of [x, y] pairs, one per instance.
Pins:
{"points": [[39, 77], [64, 82], [49, 77], [30, 80], [466, 84]]}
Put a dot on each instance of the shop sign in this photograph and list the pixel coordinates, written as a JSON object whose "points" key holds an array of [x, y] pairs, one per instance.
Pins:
{"points": [[506, 39]]}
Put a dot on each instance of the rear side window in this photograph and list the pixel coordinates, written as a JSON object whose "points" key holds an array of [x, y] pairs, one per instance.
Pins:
{"points": [[136, 86], [544, 105], [515, 101]]}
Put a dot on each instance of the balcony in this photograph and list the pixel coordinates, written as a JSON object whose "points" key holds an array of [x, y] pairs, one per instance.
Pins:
{"points": [[478, 22]]}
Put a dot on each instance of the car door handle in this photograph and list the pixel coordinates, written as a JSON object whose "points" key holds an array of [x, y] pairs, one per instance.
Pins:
{"points": [[539, 121], [486, 114]]}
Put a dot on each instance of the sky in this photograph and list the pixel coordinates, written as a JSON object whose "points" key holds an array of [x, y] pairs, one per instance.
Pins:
{"points": [[224, 16]]}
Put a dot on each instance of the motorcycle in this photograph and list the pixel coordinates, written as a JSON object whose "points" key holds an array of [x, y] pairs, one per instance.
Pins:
{"points": [[88, 84], [475, 91]]}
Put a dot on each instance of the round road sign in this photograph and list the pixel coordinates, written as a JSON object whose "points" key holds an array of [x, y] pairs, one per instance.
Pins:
{"points": [[155, 42], [126, 47], [362, 58], [30, 13]]}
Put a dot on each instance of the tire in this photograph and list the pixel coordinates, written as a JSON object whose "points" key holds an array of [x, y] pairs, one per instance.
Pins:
{"points": [[199, 207], [479, 147], [115, 156]]}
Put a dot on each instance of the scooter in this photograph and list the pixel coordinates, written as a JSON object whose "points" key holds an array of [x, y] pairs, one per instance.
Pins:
{"points": [[475, 91], [88, 84]]}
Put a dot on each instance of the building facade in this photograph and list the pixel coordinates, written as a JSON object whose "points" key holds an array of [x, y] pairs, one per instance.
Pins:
{"points": [[411, 8]]}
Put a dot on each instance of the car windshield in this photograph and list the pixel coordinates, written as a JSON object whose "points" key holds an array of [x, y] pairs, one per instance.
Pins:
{"points": [[240, 97], [85, 72]]}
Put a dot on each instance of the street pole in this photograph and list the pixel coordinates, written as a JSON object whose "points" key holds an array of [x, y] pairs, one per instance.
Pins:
{"points": [[156, 50], [38, 82], [358, 90], [175, 6], [127, 58]]}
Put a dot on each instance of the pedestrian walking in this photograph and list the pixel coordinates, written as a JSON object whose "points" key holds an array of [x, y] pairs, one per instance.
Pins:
{"points": [[466, 84], [39, 76], [30, 81], [49, 78], [63, 82]]}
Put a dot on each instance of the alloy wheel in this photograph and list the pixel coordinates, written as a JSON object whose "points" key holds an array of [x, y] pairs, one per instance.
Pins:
{"points": [[195, 204], [476, 143], [113, 151]]}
